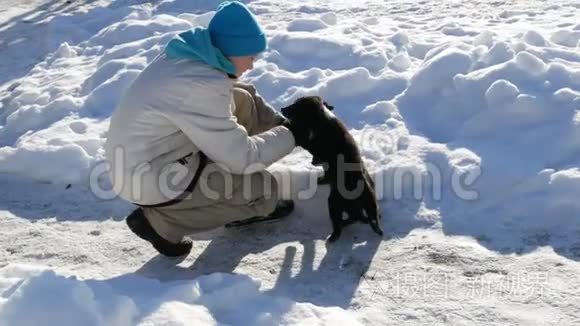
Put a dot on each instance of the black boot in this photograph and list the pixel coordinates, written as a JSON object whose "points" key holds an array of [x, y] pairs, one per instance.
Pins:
{"points": [[142, 228], [283, 209]]}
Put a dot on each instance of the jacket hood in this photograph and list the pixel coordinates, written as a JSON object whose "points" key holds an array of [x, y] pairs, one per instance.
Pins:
{"points": [[195, 44]]}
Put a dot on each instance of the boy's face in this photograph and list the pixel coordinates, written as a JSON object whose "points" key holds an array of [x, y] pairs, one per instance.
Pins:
{"points": [[242, 64]]}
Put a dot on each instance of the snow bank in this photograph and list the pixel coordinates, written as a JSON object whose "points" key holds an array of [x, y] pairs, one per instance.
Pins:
{"points": [[300, 51], [306, 25], [78, 85], [570, 38], [513, 109], [40, 296]]}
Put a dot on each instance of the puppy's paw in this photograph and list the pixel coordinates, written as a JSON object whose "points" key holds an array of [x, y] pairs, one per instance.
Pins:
{"points": [[317, 161], [333, 237], [323, 180], [376, 226]]}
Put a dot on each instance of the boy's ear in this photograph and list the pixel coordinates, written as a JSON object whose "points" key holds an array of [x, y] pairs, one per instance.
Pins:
{"points": [[328, 106]]}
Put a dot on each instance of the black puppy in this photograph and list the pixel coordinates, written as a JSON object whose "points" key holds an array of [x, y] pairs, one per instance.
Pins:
{"points": [[352, 194]]}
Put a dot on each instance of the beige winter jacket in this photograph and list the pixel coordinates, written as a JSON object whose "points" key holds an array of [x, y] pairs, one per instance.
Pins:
{"points": [[176, 107]]}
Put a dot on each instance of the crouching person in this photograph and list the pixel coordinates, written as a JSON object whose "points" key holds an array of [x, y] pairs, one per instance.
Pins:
{"points": [[189, 144]]}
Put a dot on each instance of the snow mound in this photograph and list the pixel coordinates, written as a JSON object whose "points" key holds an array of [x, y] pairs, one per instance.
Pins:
{"points": [[305, 25], [77, 85], [300, 51], [517, 120], [41, 296], [570, 38]]}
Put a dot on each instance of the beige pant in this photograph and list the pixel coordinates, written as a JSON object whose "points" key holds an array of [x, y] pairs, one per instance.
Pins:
{"points": [[221, 197]]}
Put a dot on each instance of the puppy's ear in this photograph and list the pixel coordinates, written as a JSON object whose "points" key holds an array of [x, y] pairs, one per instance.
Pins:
{"points": [[328, 106]]}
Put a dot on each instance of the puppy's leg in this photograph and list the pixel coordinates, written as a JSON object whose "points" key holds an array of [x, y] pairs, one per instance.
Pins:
{"points": [[371, 209], [335, 213], [355, 213], [364, 218], [317, 161], [369, 179], [325, 178]]}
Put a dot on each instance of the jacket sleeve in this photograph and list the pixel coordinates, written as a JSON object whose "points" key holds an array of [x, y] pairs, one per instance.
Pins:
{"points": [[268, 117], [214, 130]]}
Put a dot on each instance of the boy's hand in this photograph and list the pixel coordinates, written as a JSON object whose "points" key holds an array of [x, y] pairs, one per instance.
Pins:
{"points": [[301, 136]]}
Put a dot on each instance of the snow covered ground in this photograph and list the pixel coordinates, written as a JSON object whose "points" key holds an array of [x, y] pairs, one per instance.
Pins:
{"points": [[467, 113]]}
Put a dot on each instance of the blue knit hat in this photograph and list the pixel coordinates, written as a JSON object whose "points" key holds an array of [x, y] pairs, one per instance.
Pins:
{"points": [[235, 31]]}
